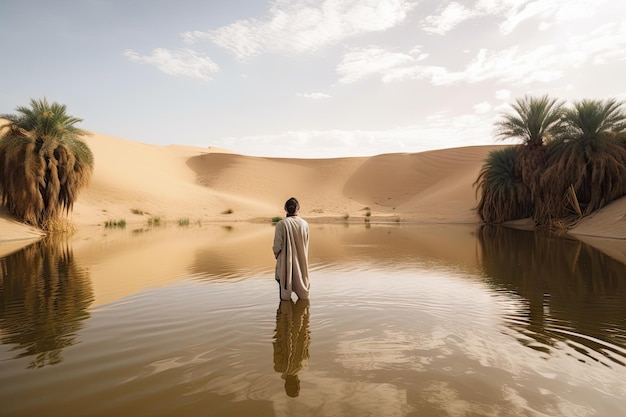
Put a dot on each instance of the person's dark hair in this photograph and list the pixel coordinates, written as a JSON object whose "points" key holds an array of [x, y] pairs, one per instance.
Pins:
{"points": [[292, 385], [291, 206]]}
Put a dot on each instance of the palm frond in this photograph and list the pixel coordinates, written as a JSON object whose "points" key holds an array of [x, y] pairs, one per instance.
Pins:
{"points": [[590, 118], [532, 120]]}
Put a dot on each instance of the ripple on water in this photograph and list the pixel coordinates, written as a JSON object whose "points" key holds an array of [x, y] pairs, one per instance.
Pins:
{"points": [[409, 335]]}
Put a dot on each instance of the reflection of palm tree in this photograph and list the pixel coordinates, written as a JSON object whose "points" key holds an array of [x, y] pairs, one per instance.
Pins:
{"points": [[291, 342], [43, 300], [562, 280]]}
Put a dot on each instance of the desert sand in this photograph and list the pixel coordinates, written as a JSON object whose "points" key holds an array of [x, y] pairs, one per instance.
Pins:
{"points": [[135, 182]]}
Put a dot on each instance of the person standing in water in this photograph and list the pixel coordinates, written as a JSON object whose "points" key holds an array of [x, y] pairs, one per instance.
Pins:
{"points": [[291, 250]]}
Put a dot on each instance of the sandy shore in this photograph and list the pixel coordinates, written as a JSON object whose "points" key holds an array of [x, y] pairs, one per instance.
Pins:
{"points": [[136, 182]]}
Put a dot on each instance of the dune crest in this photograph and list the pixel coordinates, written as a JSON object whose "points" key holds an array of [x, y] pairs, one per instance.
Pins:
{"points": [[135, 181]]}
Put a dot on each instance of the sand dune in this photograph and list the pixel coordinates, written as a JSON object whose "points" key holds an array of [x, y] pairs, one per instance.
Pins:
{"points": [[432, 186], [435, 186], [135, 181]]}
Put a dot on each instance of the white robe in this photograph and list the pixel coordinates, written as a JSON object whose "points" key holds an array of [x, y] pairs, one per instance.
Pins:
{"points": [[291, 243]]}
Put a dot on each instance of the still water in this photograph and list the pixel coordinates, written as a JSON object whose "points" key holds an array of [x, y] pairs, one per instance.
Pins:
{"points": [[403, 321]]}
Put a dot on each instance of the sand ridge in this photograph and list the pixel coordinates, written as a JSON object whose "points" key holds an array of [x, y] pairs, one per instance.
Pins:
{"points": [[136, 181]]}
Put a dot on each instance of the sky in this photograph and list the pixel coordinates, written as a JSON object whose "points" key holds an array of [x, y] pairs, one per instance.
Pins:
{"points": [[307, 78]]}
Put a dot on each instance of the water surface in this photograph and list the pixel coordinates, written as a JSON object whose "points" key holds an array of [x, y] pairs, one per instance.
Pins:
{"points": [[403, 321]]}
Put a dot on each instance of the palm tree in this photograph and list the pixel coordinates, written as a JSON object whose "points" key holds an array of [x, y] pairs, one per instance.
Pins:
{"points": [[504, 196], [534, 120], [588, 160], [43, 162], [509, 180]]}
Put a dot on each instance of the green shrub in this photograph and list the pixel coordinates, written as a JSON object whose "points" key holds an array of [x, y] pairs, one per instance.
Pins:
{"points": [[154, 221], [112, 224]]}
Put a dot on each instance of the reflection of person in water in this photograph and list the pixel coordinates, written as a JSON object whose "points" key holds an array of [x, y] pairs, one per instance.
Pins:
{"points": [[291, 342]]}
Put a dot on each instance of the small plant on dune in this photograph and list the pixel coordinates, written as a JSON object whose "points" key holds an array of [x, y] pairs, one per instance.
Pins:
{"points": [[60, 226], [346, 216], [183, 222], [276, 219], [228, 211], [138, 212], [112, 224], [154, 221]]}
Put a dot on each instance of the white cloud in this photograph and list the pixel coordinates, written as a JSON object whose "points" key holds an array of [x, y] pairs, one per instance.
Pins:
{"points": [[452, 15], [503, 94], [513, 13], [508, 65], [542, 9], [605, 44], [184, 62], [431, 133], [455, 13], [483, 107], [363, 62], [493, 7], [314, 96], [549, 12], [418, 50], [304, 26], [543, 64]]}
